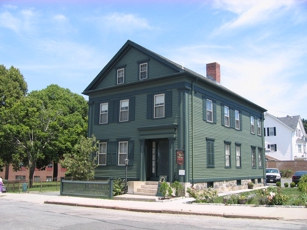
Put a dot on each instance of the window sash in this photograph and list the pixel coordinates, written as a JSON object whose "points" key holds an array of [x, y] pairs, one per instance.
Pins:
{"points": [[237, 119], [159, 103], [238, 156], [253, 158], [227, 155], [226, 116], [120, 76], [271, 131], [124, 110], [260, 157], [258, 127], [252, 125], [143, 71], [103, 119], [210, 154], [102, 153], [209, 110], [122, 152]]}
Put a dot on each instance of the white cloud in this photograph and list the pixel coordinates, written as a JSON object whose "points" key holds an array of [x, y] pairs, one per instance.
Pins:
{"points": [[59, 17], [252, 12], [125, 22], [7, 20]]}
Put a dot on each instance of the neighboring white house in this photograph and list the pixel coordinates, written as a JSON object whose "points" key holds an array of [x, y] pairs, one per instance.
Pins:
{"points": [[285, 137]]}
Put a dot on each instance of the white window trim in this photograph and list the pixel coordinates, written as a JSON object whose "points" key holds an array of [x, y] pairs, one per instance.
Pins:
{"points": [[227, 155], [122, 153], [253, 158], [102, 153], [209, 110], [259, 158], [159, 105], [226, 116], [121, 110], [146, 71], [237, 120], [120, 76], [271, 131], [104, 113]]}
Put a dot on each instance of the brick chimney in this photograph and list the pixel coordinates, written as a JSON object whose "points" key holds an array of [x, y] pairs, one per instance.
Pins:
{"points": [[213, 72]]}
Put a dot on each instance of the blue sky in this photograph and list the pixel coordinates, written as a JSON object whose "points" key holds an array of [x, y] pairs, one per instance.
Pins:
{"points": [[261, 45]]}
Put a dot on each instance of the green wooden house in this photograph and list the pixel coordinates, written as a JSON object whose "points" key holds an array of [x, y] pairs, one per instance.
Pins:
{"points": [[172, 123]]}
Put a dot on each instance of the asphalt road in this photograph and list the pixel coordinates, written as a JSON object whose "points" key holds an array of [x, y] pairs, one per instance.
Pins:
{"points": [[31, 216]]}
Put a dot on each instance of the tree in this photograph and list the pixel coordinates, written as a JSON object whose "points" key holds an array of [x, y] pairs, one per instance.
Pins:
{"points": [[12, 88], [81, 162], [305, 124]]}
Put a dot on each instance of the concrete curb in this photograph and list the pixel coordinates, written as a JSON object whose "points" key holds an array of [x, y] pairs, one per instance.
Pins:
{"points": [[163, 211]]}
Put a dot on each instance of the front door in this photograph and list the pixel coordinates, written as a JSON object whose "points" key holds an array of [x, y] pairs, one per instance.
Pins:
{"points": [[157, 159]]}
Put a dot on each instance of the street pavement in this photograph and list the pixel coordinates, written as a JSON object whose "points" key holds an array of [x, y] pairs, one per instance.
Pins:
{"points": [[152, 204]]}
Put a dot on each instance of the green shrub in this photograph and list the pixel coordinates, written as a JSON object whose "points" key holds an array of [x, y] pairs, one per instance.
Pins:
{"points": [[118, 187], [286, 184], [178, 188], [292, 184], [278, 184], [302, 184], [165, 189]]}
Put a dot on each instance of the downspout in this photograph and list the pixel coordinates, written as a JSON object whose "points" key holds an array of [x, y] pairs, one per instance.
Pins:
{"points": [[263, 153]]}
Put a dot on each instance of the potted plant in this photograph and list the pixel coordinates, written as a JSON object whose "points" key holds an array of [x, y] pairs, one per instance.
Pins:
{"points": [[250, 185], [242, 199]]}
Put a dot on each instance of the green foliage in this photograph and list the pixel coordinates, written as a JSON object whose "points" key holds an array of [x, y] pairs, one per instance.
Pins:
{"points": [[292, 184], [81, 162], [250, 185], [286, 173], [278, 184], [178, 188], [165, 189], [286, 184], [203, 196], [118, 187], [302, 184]]}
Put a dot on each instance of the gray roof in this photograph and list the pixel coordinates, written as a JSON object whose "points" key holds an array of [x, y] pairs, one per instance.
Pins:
{"points": [[291, 121]]}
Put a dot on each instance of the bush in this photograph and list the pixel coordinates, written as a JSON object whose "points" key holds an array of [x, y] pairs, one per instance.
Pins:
{"points": [[286, 184], [292, 184], [118, 187], [286, 173], [165, 189], [178, 188], [203, 196], [302, 184], [250, 185], [278, 184]]}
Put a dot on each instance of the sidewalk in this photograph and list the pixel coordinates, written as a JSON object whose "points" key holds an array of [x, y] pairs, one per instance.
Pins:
{"points": [[137, 203]]}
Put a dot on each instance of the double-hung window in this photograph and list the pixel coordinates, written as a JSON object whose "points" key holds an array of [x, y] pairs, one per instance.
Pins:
{"points": [[210, 153], [209, 110], [272, 131], [227, 155], [143, 71], [258, 127], [238, 156], [120, 76], [253, 157], [103, 118], [102, 153], [237, 119], [124, 110], [252, 125], [159, 102], [260, 157], [122, 152], [226, 116]]}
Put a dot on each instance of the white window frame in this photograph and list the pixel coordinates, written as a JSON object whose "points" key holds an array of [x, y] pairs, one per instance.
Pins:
{"points": [[272, 147], [258, 127], [102, 152], [143, 71], [253, 157], [299, 148], [104, 113], [237, 119], [252, 125], [260, 158], [159, 106], [238, 156], [227, 155], [226, 116], [123, 110], [209, 110], [120, 73], [122, 152]]}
